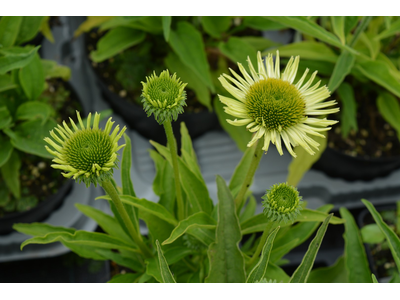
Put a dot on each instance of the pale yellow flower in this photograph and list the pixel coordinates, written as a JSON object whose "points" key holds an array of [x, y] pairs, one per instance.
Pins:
{"points": [[269, 104]]}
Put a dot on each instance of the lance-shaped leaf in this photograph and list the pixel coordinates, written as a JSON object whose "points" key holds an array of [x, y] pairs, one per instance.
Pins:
{"points": [[238, 50], [166, 274], [10, 173], [374, 280], [343, 67], [332, 274], [81, 237], [109, 224], [29, 28], [259, 222], [355, 257], [125, 278], [392, 30], [303, 271], [147, 206], [6, 83], [127, 185], [9, 29], [391, 237], [15, 58], [40, 229], [226, 260], [241, 170], [166, 24], [53, 70], [389, 107], [306, 26], [260, 268], [349, 109], [338, 24], [131, 263], [216, 25], [198, 220]]}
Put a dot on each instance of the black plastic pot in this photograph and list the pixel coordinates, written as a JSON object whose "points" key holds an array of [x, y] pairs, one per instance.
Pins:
{"points": [[339, 165], [134, 115], [38, 213]]}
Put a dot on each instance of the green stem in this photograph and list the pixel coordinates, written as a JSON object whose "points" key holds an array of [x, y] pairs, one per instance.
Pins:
{"points": [[240, 198], [364, 23], [260, 246], [137, 238], [174, 156]]}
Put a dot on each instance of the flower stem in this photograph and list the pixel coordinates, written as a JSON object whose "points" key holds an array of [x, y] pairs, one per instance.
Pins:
{"points": [[137, 238], [240, 198], [260, 246], [174, 156]]}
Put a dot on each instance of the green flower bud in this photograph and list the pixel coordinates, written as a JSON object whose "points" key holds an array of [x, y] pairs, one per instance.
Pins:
{"points": [[163, 96], [86, 154], [282, 202]]}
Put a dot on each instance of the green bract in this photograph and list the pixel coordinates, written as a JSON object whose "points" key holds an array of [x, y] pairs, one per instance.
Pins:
{"points": [[282, 202], [86, 154], [163, 96]]}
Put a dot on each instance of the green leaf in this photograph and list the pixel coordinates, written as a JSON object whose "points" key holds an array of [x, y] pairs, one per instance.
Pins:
{"points": [[40, 229], [392, 30], [306, 50], [259, 270], [381, 73], [194, 186], [338, 24], [90, 23], [259, 43], [116, 41], [349, 23], [238, 133], [308, 27], [187, 147], [166, 274], [6, 83], [276, 273], [349, 109], [187, 43], [29, 28], [373, 45], [261, 23], [342, 68], [259, 222], [304, 161], [5, 117], [194, 82], [303, 270], [371, 234], [131, 263], [10, 173], [198, 220], [216, 25], [5, 149], [119, 21], [9, 29], [15, 58], [46, 30], [147, 206], [34, 109], [125, 278], [237, 50], [31, 78], [127, 185], [389, 108], [333, 274], [355, 256], [241, 169], [80, 237], [299, 233], [391, 237], [106, 222], [53, 70], [374, 280], [28, 136], [166, 23], [226, 260]]}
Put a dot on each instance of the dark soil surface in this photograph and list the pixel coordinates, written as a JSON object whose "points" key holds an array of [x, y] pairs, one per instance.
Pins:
{"points": [[375, 137]]}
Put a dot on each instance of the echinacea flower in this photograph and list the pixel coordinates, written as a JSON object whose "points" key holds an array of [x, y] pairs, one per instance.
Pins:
{"points": [[164, 96], [282, 202], [86, 154], [269, 104]]}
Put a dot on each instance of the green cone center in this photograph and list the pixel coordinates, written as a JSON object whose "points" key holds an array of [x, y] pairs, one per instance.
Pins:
{"points": [[88, 147], [164, 88], [275, 104], [284, 198]]}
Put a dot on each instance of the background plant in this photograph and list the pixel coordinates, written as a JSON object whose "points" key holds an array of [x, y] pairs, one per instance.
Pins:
{"points": [[27, 112]]}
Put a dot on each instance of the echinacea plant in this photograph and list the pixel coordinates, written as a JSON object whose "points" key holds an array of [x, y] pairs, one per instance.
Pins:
{"points": [[191, 239]]}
